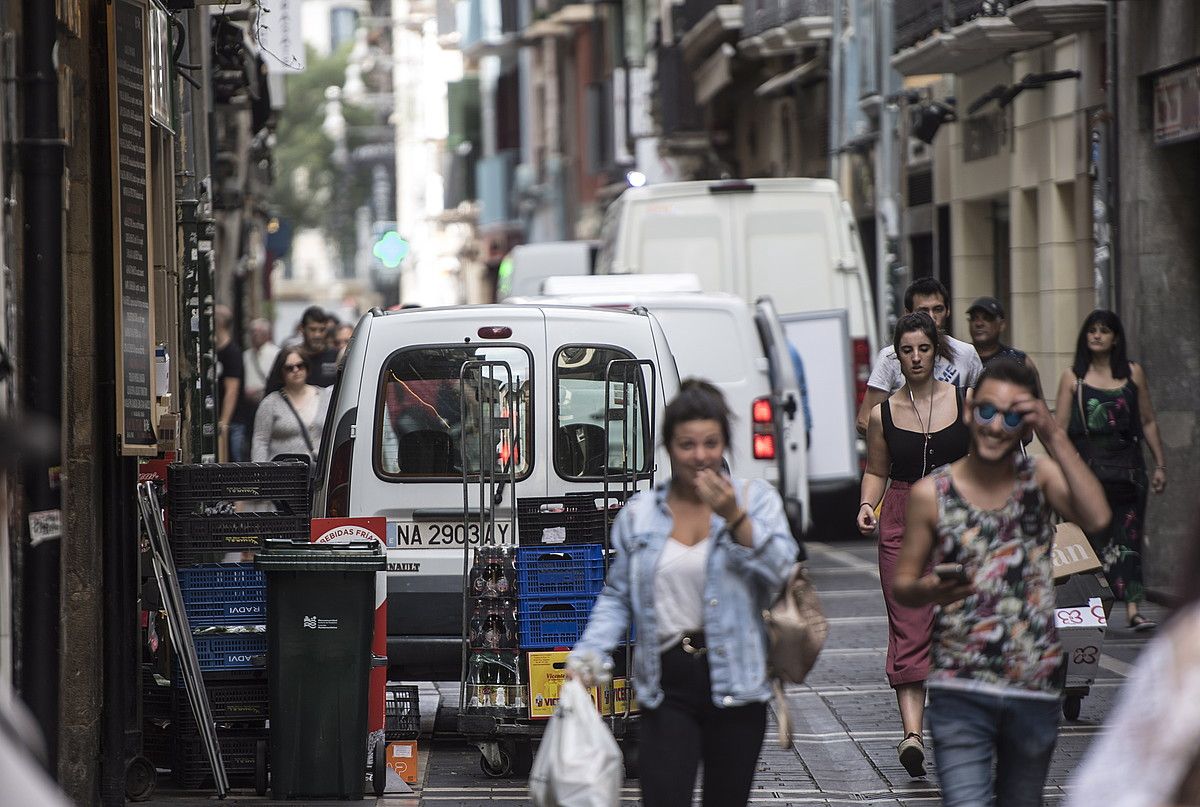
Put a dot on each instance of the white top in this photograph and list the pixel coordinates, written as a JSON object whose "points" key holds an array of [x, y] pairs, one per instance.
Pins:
{"points": [[258, 362], [1153, 735], [679, 590], [963, 372]]}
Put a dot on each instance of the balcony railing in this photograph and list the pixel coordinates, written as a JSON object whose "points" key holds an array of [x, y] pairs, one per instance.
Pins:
{"points": [[917, 19], [762, 15]]}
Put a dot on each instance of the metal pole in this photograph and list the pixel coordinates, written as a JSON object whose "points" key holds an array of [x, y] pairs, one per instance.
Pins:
{"points": [[42, 156], [835, 95], [1108, 295]]}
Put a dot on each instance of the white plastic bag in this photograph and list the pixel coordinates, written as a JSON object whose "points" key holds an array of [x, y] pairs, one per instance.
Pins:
{"points": [[578, 763]]}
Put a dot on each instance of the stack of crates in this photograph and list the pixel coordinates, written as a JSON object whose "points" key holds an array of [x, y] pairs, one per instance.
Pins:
{"points": [[559, 586], [214, 544], [402, 726]]}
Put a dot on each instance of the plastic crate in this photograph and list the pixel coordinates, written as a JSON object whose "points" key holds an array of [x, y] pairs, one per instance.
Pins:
{"points": [[544, 571], [576, 518], [231, 651], [402, 715], [239, 749], [196, 538], [192, 488], [224, 594], [241, 702], [157, 699], [549, 623], [157, 743]]}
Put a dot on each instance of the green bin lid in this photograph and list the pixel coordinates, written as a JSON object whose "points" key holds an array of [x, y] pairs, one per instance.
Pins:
{"points": [[298, 555]]}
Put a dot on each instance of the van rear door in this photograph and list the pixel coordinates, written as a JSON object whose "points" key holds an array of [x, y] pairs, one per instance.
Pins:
{"points": [[791, 439], [686, 233]]}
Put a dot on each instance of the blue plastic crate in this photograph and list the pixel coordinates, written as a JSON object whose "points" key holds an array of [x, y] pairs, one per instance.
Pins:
{"points": [[230, 651], [549, 623], [544, 571], [224, 594]]}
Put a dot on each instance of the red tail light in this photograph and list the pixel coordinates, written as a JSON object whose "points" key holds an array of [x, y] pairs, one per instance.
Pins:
{"points": [[861, 350], [764, 446], [762, 414], [337, 503], [762, 411]]}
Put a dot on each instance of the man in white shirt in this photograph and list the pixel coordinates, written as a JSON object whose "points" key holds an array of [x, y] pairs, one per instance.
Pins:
{"points": [[926, 295], [257, 360]]}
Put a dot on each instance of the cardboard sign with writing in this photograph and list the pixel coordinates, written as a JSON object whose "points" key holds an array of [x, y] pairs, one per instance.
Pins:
{"points": [[1072, 553]]}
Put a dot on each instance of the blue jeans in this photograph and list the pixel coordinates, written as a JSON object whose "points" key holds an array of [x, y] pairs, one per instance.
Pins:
{"points": [[238, 450], [974, 730]]}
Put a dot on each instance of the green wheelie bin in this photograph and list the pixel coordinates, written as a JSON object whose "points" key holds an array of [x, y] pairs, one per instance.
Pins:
{"points": [[320, 617]]}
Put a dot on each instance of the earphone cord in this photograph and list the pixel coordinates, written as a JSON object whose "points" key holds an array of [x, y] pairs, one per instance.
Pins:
{"points": [[925, 427]]}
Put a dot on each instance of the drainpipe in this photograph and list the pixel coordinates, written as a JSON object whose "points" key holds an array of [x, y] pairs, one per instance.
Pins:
{"points": [[1108, 294], [835, 95], [42, 155]]}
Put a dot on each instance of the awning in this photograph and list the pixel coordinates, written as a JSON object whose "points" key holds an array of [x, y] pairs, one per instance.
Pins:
{"points": [[784, 80]]}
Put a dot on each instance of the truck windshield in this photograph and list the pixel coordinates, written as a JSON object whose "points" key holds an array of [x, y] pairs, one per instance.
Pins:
{"points": [[421, 431]]}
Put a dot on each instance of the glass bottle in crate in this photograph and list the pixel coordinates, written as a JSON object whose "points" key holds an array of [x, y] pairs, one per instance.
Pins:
{"points": [[477, 581], [506, 580]]}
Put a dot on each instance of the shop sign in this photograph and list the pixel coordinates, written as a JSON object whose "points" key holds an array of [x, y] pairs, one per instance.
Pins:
{"points": [[130, 126], [1177, 106], [279, 36], [160, 67]]}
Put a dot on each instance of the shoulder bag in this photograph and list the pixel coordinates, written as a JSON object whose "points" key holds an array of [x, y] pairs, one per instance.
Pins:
{"points": [[796, 631]]}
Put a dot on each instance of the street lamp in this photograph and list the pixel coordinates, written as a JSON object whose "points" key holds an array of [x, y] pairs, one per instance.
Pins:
{"points": [[334, 125]]}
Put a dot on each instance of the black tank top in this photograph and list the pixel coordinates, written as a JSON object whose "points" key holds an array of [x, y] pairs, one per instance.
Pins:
{"points": [[906, 447]]}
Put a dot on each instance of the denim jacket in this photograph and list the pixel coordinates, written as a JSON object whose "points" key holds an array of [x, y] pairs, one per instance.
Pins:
{"points": [[740, 583]]}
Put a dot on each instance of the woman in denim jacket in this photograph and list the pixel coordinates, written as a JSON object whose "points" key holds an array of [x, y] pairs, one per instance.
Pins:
{"points": [[697, 560]]}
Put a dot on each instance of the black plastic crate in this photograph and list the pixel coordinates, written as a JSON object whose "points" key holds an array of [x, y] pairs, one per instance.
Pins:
{"points": [[576, 518], [196, 488], [402, 714], [157, 699], [157, 742], [239, 750], [233, 702], [197, 538]]}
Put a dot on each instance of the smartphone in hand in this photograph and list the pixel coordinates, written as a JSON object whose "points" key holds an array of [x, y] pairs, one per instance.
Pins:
{"points": [[951, 571]]}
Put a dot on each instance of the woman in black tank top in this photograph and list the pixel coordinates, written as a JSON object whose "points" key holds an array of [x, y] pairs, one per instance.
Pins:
{"points": [[917, 429]]}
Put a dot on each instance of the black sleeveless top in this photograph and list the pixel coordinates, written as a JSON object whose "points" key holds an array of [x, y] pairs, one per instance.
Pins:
{"points": [[907, 447], [1006, 352]]}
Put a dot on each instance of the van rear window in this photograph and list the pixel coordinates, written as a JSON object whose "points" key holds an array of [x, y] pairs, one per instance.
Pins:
{"points": [[581, 450], [421, 431]]}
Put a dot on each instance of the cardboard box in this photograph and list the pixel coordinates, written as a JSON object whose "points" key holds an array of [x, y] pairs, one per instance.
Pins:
{"points": [[1072, 552], [614, 694], [402, 758], [1081, 632], [547, 672]]}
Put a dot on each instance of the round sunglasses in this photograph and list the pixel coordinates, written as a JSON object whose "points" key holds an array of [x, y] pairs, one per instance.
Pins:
{"points": [[986, 413]]}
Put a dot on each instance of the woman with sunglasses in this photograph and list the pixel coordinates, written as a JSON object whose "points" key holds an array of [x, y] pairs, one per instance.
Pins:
{"points": [[1104, 405], [291, 417], [919, 428]]}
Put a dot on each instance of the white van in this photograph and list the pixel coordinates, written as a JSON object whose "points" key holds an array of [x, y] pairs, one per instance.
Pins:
{"points": [[530, 264], [740, 348], [793, 240], [420, 387]]}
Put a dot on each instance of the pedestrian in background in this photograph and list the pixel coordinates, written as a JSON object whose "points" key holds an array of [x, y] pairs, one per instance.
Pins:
{"points": [[1104, 404], [957, 362], [696, 562], [1149, 753], [231, 435], [292, 415], [994, 695], [257, 361], [341, 338], [320, 357], [988, 322], [917, 429]]}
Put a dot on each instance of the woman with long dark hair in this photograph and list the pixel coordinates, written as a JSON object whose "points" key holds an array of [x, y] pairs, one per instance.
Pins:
{"points": [[696, 561], [290, 418], [1104, 404], [917, 429]]}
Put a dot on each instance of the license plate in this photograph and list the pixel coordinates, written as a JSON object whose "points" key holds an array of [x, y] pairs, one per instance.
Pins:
{"points": [[446, 534]]}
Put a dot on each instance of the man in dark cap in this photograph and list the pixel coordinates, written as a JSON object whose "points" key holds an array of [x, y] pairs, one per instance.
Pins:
{"points": [[988, 323]]}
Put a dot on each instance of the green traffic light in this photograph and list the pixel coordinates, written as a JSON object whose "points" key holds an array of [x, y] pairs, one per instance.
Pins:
{"points": [[391, 249]]}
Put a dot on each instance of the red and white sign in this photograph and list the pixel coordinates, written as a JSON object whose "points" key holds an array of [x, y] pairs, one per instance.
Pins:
{"points": [[330, 530]]}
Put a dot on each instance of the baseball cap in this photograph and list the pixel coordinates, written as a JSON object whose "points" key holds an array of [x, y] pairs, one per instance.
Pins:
{"points": [[989, 305]]}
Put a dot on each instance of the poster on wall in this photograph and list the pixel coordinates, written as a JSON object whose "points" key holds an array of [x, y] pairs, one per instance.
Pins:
{"points": [[131, 237]]}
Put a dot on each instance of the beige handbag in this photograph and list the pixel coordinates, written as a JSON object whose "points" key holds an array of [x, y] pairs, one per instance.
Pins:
{"points": [[796, 632]]}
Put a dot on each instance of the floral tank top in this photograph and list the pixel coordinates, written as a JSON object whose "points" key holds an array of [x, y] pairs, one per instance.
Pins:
{"points": [[1002, 637]]}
